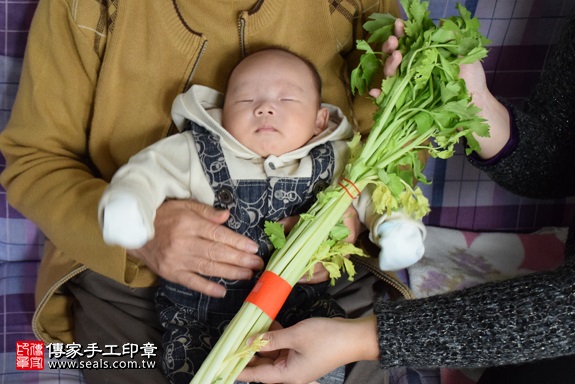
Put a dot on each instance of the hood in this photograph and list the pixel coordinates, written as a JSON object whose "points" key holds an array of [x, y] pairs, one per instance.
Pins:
{"points": [[203, 106]]}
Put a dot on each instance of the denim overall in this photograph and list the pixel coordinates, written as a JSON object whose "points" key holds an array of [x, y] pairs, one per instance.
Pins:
{"points": [[193, 322]]}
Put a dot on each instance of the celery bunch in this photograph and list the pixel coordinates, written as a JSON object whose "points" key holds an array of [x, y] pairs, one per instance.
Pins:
{"points": [[424, 107]]}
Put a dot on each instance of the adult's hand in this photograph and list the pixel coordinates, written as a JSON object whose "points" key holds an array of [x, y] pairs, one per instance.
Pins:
{"points": [[495, 113], [312, 348], [191, 241], [492, 110], [394, 56], [350, 219], [390, 48]]}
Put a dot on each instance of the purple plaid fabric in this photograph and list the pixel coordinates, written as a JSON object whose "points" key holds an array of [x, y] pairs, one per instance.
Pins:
{"points": [[461, 197], [17, 281]]}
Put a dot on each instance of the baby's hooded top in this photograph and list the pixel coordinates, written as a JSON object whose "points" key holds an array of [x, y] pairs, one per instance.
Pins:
{"points": [[171, 168]]}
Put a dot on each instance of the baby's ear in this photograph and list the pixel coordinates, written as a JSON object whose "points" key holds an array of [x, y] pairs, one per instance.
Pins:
{"points": [[321, 120]]}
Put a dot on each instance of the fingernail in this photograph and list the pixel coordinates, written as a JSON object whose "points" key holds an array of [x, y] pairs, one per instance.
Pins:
{"points": [[246, 275], [257, 263], [251, 247], [220, 292]]}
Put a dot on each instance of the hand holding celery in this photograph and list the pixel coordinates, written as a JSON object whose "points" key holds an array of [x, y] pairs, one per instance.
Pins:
{"points": [[424, 107]]}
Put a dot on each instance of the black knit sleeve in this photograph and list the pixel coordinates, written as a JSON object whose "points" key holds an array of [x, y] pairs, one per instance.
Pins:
{"points": [[541, 165], [518, 320]]}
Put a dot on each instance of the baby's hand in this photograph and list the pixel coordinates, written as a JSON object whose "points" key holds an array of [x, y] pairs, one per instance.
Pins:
{"points": [[123, 223], [401, 243]]}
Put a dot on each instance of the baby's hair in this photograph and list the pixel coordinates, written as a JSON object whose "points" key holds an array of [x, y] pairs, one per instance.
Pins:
{"points": [[314, 72]]}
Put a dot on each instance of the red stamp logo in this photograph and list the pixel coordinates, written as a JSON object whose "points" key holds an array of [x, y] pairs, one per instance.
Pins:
{"points": [[29, 355]]}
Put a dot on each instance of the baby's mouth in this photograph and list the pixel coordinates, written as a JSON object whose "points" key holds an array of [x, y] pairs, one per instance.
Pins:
{"points": [[266, 128]]}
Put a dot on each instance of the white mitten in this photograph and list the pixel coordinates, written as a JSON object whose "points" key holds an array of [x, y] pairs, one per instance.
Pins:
{"points": [[123, 223], [401, 243]]}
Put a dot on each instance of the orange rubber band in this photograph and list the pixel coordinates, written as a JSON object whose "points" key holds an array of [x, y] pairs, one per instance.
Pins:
{"points": [[269, 293], [354, 186], [347, 190]]}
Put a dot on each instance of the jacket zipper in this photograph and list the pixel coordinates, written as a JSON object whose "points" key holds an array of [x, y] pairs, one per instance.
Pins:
{"points": [[173, 129], [241, 32], [195, 67]]}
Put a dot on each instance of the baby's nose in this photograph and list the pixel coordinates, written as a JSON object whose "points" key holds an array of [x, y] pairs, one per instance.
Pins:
{"points": [[265, 109]]}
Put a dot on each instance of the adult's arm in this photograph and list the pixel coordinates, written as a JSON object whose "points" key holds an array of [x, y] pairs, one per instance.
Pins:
{"points": [[509, 322], [48, 175], [51, 179], [537, 160]]}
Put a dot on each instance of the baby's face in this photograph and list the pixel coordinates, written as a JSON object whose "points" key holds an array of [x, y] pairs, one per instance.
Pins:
{"points": [[272, 104]]}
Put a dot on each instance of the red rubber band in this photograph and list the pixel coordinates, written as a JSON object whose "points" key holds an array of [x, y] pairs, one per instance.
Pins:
{"points": [[269, 293], [354, 186], [347, 190]]}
